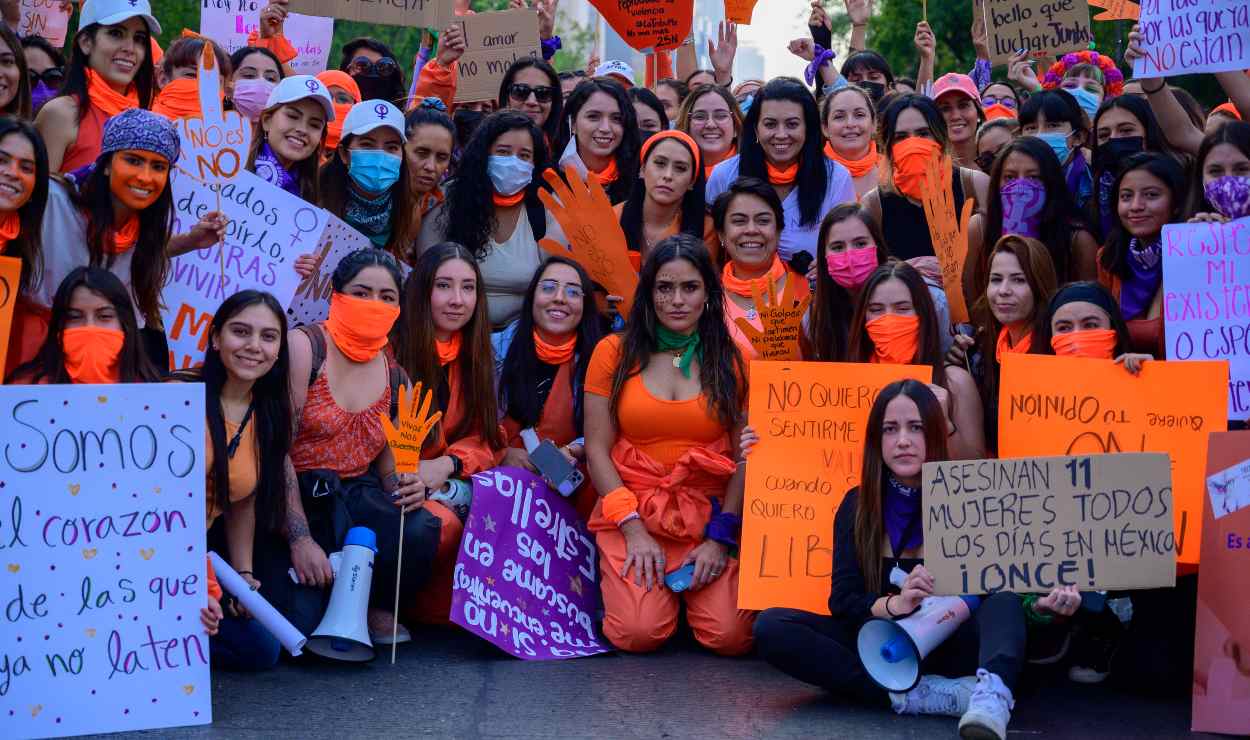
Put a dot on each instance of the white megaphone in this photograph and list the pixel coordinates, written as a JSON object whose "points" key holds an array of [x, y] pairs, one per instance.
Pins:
{"points": [[892, 651], [344, 630]]}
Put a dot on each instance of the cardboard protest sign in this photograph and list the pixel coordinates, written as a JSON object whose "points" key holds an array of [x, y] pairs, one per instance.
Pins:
{"points": [[46, 18], [214, 145], [527, 579], [739, 11], [1221, 699], [1051, 405], [1033, 524], [492, 42], [104, 576], [311, 303], [10, 278], [1052, 27], [1116, 10], [781, 322], [648, 25], [229, 23], [411, 13], [1204, 319], [811, 418], [1188, 36], [947, 231]]}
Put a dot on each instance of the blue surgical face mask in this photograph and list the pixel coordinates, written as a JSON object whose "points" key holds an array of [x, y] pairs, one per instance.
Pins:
{"points": [[374, 170], [1058, 142], [1088, 101], [745, 105], [509, 174]]}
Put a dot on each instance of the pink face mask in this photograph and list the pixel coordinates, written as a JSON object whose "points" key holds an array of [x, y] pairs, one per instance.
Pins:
{"points": [[250, 97], [851, 267]]}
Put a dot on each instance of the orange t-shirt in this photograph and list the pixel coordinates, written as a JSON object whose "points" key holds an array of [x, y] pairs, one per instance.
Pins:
{"points": [[86, 148], [244, 468], [733, 311], [710, 238], [662, 429]]}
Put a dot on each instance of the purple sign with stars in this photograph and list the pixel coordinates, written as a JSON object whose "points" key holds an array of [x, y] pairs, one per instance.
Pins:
{"points": [[102, 569], [527, 579]]}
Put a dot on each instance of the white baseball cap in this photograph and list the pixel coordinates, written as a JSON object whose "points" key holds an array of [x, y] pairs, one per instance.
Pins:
{"points": [[616, 68], [298, 87], [112, 12], [367, 115]]}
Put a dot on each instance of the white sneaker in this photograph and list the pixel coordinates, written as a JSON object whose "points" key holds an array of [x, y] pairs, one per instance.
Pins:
{"points": [[989, 710], [936, 695]]}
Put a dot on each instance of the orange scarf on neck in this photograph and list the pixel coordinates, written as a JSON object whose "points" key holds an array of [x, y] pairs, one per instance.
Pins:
{"points": [[553, 354], [858, 167], [449, 350], [107, 99], [125, 236], [742, 287], [609, 174], [782, 177], [707, 169], [10, 227], [1005, 346], [507, 201]]}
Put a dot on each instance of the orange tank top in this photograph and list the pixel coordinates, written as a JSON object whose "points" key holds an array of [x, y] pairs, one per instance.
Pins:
{"points": [[86, 148], [331, 438]]}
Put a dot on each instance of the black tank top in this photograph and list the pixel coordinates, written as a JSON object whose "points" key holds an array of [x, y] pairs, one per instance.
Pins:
{"points": [[904, 226]]}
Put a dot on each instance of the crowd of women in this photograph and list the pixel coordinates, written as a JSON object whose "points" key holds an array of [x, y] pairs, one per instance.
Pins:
{"points": [[722, 189]]}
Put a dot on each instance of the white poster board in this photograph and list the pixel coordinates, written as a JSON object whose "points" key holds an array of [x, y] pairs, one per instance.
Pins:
{"points": [[229, 26], [311, 303]]}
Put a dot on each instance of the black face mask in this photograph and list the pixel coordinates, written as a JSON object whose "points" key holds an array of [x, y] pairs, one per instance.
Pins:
{"points": [[1110, 156], [876, 90], [466, 122], [373, 87]]}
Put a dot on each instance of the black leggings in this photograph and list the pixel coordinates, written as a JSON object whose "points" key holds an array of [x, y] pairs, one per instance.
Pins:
{"points": [[821, 651]]}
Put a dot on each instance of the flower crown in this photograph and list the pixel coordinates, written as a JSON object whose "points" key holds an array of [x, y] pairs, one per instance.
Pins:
{"points": [[1113, 78]]}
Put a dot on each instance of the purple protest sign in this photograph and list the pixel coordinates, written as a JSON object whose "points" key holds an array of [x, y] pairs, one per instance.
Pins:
{"points": [[526, 579]]}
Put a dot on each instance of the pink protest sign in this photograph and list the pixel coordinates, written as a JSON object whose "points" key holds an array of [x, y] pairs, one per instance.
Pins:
{"points": [[1187, 36]]}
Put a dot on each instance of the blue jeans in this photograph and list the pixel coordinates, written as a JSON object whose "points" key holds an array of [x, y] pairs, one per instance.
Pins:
{"points": [[243, 644]]}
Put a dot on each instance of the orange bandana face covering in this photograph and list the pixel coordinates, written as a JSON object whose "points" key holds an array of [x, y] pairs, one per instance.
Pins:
{"points": [[106, 98], [334, 129], [910, 157], [149, 174], [782, 176], [896, 338], [91, 353], [1096, 344], [450, 349], [179, 99], [858, 167], [1005, 347], [741, 287], [359, 326], [553, 354]]}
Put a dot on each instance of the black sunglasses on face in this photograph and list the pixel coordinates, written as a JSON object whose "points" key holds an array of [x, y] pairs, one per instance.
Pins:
{"points": [[362, 67], [521, 92], [52, 76]]}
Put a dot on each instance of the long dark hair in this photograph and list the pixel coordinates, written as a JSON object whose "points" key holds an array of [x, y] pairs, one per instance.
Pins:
{"points": [[28, 245], [76, 74], [1042, 332], [551, 126], [335, 181], [928, 348], [149, 264], [649, 99], [20, 105], [470, 214], [693, 206], [888, 134], [626, 154], [520, 370], [48, 364], [1060, 218], [271, 414], [813, 178], [1233, 133], [1114, 256], [722, 374], [833, 307], [414, 341], [396, 92], [1058, 106], [869, 517], [305, 171]]}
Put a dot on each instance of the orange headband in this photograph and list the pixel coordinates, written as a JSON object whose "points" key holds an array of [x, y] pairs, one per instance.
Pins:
{"points": [[681, 136]]}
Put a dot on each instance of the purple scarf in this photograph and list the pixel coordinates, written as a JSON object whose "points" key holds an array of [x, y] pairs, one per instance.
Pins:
{"points": [[1145, 266], [903, 523], [269, 169]]}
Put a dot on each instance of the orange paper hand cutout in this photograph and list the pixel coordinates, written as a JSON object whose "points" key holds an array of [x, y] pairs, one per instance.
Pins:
{"points": [[648, 25], [1116, 10], [596, 241], [782, 322], [950, 240], [739, 11], [415, 424]]}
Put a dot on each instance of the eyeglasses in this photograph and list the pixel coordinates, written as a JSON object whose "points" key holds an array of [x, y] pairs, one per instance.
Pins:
{"points": [[988, 100], [52, 76], [520, 92], [571, 292], [985, 160], [701, 117], [363, 67]]}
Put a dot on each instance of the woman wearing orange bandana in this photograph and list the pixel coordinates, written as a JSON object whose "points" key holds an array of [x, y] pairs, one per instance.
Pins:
{"points": [[345, 93], [444, 344], [781, 145], [180, 68], [601, 136], [492, 210], [850, 126], [110, 70], [92, 336], [24, 173], [748, 219], [712, 118], [664, 407], [895, 322], [541, 363], [667, 198], [1083, 320], [913, 131], [342, 382]]}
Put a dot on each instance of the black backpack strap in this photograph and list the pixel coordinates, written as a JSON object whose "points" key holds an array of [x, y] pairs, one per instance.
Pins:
{"points": [[317, 340], [538, 219], [398, 378]]}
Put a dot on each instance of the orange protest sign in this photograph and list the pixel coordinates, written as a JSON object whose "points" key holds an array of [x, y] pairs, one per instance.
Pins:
{"points": [[739, 11], [415, 423], [10, 278], [810, 417], [950, 239], [1070, 406], [1116, 10], [648, 25], [781, 321]]}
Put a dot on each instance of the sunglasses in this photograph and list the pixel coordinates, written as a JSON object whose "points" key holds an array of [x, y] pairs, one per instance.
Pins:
{"points": [[985, 160], [988, 100], [52, 76], [521, 92], [362, 67]]}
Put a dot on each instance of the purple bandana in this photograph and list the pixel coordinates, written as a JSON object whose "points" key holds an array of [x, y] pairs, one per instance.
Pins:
{"points": [[1145, 264], [1023, 201], [903, 523], [1230, 195], [269, 169]]}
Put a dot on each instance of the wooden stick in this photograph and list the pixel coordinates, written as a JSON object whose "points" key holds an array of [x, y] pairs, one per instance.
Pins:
{"points": [[399, 567], [221, 242], [924, 10]]}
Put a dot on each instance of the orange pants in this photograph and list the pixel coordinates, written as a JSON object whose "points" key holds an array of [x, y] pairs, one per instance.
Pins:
{"points": [[432, 604], [640, 621]]}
